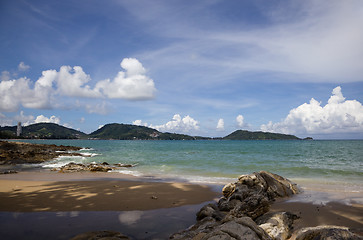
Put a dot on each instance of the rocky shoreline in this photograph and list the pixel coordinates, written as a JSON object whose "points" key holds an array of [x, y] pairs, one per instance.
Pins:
{"points": [[244, 213], [20, 152]]}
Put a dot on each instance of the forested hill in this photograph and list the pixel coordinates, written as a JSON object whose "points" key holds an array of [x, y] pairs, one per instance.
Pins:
{"points": [[42, 131], [125, 132], [132, 132], [247, 135]]}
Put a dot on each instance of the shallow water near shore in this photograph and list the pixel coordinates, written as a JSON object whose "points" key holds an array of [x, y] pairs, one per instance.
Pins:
{"points": [[334, 164], [151, 224]]}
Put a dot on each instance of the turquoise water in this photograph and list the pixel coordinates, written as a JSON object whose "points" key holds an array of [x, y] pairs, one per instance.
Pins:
{"points": [[223, 161]]}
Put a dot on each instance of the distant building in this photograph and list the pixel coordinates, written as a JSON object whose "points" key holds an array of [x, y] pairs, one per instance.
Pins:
{"points": [[18, 129]]}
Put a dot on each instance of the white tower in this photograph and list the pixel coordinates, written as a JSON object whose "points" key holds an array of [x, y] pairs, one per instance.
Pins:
{"points": [[18, 129]]}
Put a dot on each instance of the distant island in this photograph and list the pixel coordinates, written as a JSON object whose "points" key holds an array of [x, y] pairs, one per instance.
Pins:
{"points": [[119, 131]]}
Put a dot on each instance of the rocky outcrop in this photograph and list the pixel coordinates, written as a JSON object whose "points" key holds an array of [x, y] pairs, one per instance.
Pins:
{"points": [[237, 215], [19, 152], [243, 213], [326, 232], [92, 167]]}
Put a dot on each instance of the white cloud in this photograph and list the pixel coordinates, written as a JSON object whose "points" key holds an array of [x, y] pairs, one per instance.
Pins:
{"points": [[300, 40], [139, 123], [220, 125], [44, 119], [23, 67], [337, 116], [240, 120], [74, 82], [132, 84], [178, 124], [27, 120]]}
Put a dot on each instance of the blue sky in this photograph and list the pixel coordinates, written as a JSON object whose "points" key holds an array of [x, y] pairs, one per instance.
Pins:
{"points": [[196, 67]]}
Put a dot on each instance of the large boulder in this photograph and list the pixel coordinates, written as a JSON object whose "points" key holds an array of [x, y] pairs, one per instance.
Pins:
{"points": [[326, 232], [244, 201]]}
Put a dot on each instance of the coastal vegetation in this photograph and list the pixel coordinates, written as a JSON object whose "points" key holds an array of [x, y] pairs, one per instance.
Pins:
{"points": [[125, 132]]}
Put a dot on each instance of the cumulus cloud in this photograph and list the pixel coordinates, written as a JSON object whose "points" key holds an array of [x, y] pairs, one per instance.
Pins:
{"points": [[139, 123], [240, 120], [44, 119], [132, 84], [178, 124], [337, 116], [220, 125], [23, 67], [28, 119]]}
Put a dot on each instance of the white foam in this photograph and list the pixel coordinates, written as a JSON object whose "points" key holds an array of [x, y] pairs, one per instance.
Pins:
{"points": [[88, 154], [86, 149], [129, 172]]}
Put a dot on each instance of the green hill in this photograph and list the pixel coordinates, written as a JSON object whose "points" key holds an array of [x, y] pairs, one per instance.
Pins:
{"points": [[42, 131], [126, 132], [247, 135], [132, 132], [123, 132]]}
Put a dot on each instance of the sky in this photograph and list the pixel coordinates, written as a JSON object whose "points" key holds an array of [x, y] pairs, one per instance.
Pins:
{"points": [[203, 68]]}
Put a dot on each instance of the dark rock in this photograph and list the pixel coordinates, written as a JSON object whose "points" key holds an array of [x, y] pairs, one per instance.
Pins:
{"points": [[8, 172], [243, 202], [326, 232], [19, 152], [92, 167], [98, 235]]}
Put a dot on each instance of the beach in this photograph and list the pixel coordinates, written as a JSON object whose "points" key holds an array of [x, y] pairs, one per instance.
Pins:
{"points": [[138, 207]]}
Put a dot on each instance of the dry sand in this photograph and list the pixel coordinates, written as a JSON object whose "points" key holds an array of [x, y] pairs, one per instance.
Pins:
{"points": [[31, 192]]}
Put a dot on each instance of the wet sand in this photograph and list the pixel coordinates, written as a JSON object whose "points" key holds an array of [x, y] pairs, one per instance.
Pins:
{"points": [[33, 192]]}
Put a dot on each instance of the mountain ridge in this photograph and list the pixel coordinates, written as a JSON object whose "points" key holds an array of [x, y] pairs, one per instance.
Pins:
{"points": [[122, 131]]}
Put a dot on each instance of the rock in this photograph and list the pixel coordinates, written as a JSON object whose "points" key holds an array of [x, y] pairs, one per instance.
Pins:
{"points": [[92, 167], [72, 167], [19, 152], [8, 172], [210, 210], [242, 203], [326, 232], [104, 235], [237, 228], [98, 168], [228, 190], [277, 225]]}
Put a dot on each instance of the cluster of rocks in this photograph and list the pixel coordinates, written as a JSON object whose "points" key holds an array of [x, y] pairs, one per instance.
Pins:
{"points": [[20, 152], [243, 213], [91, 167]]}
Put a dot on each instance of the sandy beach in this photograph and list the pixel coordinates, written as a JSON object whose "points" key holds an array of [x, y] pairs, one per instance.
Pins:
{"points": [[34, 192], [85, 194]]}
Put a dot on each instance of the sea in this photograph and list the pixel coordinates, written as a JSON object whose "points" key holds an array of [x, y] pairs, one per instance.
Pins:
{"points": [[334, 163]]}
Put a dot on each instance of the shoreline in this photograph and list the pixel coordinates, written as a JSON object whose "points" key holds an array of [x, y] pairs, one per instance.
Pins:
{"points": [[137, 200]]}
